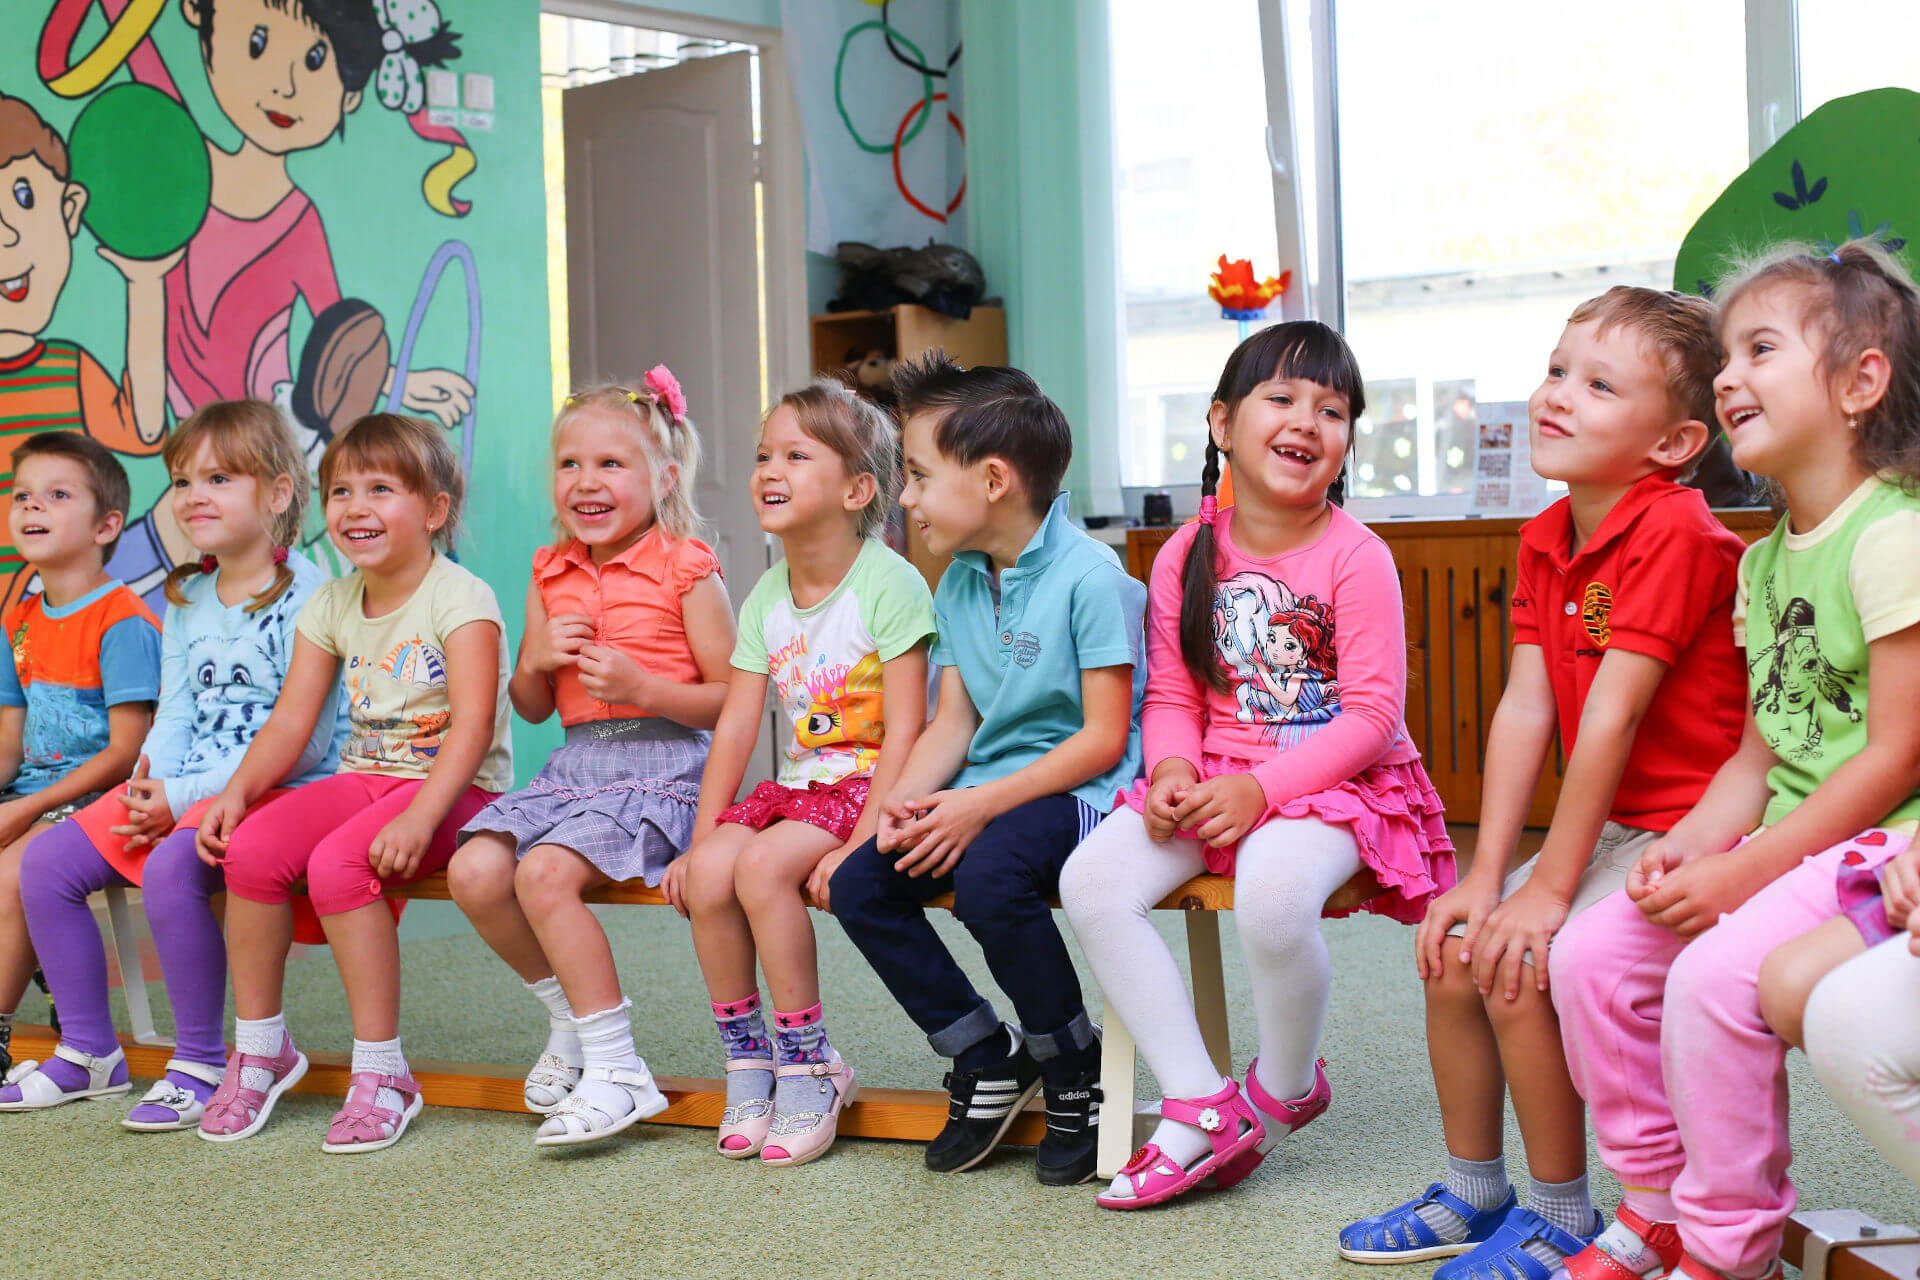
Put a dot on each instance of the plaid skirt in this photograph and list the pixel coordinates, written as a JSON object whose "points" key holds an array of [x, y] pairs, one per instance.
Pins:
{"points": [[620, 793]]}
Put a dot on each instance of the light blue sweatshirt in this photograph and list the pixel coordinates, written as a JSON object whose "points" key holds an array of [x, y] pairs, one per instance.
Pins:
{"points": [[221, 669]]}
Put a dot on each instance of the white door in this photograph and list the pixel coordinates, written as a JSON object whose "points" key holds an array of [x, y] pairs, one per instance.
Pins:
{"points": [[663, 268], [663, 265]]}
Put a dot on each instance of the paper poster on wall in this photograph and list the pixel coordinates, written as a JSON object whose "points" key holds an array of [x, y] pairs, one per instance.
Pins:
{"points": [[1504, 481]]}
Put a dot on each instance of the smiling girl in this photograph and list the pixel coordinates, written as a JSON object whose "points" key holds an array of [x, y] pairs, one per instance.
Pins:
{"points": [[426, 684], [1292, 792], [628, 632], [838, 630]]}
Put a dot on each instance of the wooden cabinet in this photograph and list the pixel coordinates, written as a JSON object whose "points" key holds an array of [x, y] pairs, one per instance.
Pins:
{"points": [[1455, 578], [903, 333]]}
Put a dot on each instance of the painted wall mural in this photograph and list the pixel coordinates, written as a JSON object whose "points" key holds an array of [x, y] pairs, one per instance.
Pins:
{"points": [[207, 199]]}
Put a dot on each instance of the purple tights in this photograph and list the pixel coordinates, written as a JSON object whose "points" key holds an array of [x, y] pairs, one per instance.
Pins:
{"points": [[60, 868]]}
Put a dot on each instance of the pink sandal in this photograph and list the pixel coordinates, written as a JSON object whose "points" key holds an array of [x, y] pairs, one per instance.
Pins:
{"points": [[361, 1125], [234, 1113], [1282, 1119], [744, 1124], [1233, 1127]]}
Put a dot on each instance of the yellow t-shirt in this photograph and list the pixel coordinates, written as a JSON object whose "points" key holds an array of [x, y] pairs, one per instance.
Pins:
{"points": [[396, 671]]}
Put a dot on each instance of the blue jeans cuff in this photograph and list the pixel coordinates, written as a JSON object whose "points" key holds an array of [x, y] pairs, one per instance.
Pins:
{"points": [[1076, 1035], [954, 1039]]}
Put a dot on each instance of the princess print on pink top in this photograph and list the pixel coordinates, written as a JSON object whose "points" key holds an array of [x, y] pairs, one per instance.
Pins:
{"points": [[1314, 645]]}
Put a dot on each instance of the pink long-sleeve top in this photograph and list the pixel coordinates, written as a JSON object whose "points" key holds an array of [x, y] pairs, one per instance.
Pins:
{"points": [[1314, 645]]}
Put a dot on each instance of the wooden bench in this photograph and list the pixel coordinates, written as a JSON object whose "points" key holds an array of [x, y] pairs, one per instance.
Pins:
{"points": [[877, 1113]]}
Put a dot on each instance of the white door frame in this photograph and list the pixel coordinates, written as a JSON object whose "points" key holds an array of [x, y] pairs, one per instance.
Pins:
{"points": [[780, 167]]}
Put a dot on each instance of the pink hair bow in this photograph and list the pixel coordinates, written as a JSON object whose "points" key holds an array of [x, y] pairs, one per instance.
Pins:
{"points": [[666, 389]]}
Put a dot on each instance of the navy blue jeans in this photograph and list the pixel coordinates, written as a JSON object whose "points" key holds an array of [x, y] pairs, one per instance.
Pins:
{"points": [[1001, 889]]}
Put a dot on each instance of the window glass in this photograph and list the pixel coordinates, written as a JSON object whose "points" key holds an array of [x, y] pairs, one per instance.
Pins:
{"points": [[1837, 57]]}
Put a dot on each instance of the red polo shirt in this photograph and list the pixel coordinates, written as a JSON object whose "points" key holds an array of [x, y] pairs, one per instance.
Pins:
{"points": [[1656, 578]]}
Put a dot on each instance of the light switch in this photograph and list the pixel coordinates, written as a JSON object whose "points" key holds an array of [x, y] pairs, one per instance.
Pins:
{"points": [[477, 91], [443, 88]]}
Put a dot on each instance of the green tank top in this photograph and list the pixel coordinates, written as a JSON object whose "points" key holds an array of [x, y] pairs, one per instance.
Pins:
{"points": [[1807, 653]]}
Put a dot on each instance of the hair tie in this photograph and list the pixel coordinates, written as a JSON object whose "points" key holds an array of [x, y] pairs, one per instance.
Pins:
{"points": [[208, 564], [279, 555], [666, 392], [1209, 508], [1835, 255]]}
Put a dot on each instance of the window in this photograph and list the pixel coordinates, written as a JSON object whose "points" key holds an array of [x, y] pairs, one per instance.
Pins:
{"points": [[1489, 186], [1848, 46], [1193, 183]]}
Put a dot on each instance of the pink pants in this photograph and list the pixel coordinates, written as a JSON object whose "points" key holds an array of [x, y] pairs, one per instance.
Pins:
{"points": [[1686, 1083], [322, 832]]}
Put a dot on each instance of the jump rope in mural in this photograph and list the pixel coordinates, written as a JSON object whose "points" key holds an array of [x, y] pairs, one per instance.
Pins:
{"points": [[218, 248]]}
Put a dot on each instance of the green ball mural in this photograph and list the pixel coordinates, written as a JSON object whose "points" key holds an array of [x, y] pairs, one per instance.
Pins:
{"points": [[144, 164]]}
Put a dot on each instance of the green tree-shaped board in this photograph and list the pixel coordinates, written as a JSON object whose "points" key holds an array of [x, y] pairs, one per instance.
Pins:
{"points": [[1852, 168]]}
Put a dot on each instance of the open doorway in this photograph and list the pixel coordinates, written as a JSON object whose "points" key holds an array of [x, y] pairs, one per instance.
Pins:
{"points": [[675, 228]]}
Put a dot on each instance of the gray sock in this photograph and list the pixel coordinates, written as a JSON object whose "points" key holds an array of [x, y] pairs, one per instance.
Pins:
{"points": [[1568, 1206], [1481, 1183], [743, 1034], [801, 1102]]}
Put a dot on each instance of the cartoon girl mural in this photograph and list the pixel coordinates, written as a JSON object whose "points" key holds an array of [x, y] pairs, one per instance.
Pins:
{"points": [[1798, 677], [287, 74]]}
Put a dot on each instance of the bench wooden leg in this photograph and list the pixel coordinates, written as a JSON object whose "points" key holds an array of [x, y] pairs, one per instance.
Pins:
{"points": [[133, 975], [1116, 1084], [1209, 986]]}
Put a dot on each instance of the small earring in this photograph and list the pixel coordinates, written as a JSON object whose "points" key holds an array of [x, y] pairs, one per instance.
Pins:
{"points": [[1853, 423]]}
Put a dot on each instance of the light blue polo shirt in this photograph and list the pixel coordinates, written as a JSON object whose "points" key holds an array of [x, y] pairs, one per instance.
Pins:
{"points": [[1065, 606]]}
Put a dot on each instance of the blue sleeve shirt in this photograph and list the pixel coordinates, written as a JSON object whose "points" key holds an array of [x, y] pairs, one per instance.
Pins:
{"points": [[1064, 607]]}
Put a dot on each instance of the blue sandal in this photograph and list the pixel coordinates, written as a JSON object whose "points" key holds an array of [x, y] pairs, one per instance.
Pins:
{"points": [[1398, 1235], [1503, 1256]]}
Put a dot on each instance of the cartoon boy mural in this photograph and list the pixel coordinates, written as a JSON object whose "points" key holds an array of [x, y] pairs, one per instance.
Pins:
{"points": [[49, 383]]}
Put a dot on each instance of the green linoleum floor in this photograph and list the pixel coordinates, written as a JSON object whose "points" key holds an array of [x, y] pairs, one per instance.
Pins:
{"points": [[466, 1194]]}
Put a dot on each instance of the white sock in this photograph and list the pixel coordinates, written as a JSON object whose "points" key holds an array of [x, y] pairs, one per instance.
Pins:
{"points": [[259, 1039], [563, 1042], [606, 1040], [383, 1056], [1624, 1245], [1183, 1143]]}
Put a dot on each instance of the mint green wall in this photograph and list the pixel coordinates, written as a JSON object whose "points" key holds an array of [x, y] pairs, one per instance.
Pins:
{"points": [[367, 188], [1041, 219]]}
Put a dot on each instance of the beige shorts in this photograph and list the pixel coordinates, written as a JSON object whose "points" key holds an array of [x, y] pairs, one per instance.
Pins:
{"points": [[1618, 849]]}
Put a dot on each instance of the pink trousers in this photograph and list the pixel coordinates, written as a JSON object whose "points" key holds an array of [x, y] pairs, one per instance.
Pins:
{"points": [[1685, 1081], [321, 832]]}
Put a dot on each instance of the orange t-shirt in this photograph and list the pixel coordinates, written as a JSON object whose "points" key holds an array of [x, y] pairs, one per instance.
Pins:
{"points": [[634, 602]]}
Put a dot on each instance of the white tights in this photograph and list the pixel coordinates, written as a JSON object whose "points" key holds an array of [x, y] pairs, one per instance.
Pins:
{"points": [[1863, 1036], [1285, 873]]}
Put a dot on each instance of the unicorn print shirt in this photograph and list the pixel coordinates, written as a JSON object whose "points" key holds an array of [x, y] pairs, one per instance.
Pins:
{"points": [[823, 664], [221, 669], [395, 671], [1314, 650], [1807, 608]]}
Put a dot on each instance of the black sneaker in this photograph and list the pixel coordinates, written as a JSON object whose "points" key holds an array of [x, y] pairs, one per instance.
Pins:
{"points": [[982, 1105], [1070, 1150]]}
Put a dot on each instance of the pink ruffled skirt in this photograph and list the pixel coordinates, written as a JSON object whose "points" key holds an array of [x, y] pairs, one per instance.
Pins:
{"points": [[1396, 819]]}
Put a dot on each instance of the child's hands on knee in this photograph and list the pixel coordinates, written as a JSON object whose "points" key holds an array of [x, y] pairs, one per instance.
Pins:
{"points": [[1525, 922], [1469, 901], [1171, 783], [896, 816], [396, 852], [1221, 810], [674, 883], [1900, 887], [822, 875]]}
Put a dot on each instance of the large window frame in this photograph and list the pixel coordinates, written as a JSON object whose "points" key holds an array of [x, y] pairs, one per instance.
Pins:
{"points": [[1306, 178]]}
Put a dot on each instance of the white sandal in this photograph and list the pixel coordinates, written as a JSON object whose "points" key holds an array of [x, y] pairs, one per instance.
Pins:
{"points": [[593, 1123], [187, 1108], [554, 1078], [38, 1091]]}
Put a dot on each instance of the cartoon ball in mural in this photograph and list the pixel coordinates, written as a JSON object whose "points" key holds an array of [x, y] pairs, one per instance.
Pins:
{"points": [[139, 154]]}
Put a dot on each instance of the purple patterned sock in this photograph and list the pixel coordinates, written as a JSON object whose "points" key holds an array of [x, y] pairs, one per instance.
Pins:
{"points": [[801, 1036], [743, 1033]]}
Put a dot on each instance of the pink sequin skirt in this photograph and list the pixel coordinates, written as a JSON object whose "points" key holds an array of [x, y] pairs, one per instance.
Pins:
{"points": [[834, 809], [1396, 818]]}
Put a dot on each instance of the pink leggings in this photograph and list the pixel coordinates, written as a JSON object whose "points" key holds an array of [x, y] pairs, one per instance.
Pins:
{"points": [[1686, 1083], [321, 832]]}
